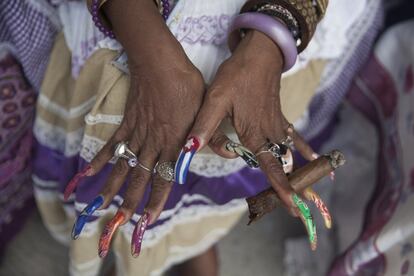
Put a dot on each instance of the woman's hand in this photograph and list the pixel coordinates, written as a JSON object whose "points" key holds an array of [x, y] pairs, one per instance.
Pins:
{"points": [[246, 89], [165, 95]]}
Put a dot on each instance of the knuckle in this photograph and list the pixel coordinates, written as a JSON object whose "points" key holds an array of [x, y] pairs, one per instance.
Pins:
{"points": [[137, 178]]}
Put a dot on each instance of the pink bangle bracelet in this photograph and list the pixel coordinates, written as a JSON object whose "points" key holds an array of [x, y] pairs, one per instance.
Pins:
{"points": [[271, 27]]}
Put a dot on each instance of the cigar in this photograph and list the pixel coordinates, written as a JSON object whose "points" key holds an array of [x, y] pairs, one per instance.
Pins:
{"points": [[267, 200]]}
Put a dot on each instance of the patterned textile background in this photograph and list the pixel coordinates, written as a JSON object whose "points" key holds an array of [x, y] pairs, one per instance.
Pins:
{"points": [[384, 93]]}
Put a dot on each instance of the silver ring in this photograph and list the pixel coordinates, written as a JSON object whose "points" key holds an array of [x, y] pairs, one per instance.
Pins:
{"points": [[276, 150], [282, 153], [122, 151], [288, 142], [166, 170], [145, 168], [244, 153]]}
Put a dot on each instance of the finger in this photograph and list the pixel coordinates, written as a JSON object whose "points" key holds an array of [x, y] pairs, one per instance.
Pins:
{"points": [[274, 171], [85, 214], [277, 178], [74, 182], [218, 144], [300, 144], [139, 178], [311, 195], [115, 181], [108, 232], [160, 191], [307, 219], [107, 152], [113, 184], [98, 162], [208, 119]]}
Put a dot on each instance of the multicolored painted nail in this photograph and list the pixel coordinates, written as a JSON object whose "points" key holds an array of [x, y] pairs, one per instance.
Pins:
{"points": [[84, 215], [75, 181], [307, 219], [184, 159], [311, 195], [138, 234], [244, 153], [108, 232]]}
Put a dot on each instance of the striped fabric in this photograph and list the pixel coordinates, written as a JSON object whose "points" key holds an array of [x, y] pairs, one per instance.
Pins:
{"points": [[27, 29]]}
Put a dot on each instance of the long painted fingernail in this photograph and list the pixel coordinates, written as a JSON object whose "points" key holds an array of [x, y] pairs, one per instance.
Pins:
{"points": [[306, 216], [73, 183], [244, 153], [138, 234], [311, 195], [108, 232], [84, 215], [184, 159]]}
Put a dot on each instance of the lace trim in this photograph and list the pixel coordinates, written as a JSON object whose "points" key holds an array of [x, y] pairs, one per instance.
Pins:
{"points": [[63, 112], [103, 118]]}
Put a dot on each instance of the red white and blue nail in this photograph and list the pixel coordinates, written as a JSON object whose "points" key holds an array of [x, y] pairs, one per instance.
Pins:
{"points": [[184, 159], [85, 214]]}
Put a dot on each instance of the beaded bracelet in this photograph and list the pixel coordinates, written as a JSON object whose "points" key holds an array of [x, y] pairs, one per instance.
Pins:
{"points": [[163, 5], [284, 15], [97, 21], [266, 24], [306, 12]]}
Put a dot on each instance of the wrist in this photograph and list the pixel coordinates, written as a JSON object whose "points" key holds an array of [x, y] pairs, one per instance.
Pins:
{"points": [[258, 49]]}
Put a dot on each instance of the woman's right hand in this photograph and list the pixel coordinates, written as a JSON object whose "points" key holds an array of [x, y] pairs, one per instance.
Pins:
{"points": [[166, 91]]}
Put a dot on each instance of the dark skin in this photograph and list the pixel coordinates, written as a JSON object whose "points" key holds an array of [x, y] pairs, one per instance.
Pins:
{"points": [[168, 102]]}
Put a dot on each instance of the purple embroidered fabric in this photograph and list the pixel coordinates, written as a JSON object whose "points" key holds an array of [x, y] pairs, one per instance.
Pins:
{"points": [[17, 101]]}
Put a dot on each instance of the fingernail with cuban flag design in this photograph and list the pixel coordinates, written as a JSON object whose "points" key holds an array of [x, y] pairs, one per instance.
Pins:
{"points": [[184, 159]]}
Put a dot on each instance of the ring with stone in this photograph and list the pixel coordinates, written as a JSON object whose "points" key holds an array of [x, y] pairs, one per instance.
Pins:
{"points": [[166, 170], [122, 151], [281, 152]]}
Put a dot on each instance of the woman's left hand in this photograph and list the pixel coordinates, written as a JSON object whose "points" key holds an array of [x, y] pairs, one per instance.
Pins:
{"points": [[246, 89]]}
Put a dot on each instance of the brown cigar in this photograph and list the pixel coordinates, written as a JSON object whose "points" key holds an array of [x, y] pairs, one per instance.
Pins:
{"points": [[267, 200]]}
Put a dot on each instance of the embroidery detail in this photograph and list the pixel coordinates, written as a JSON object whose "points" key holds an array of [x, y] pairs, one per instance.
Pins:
{"points": [[205, 29]]}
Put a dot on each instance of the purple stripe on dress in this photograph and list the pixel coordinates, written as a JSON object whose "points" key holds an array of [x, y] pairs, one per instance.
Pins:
{"points": [[325, 103], [50, 165]]}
